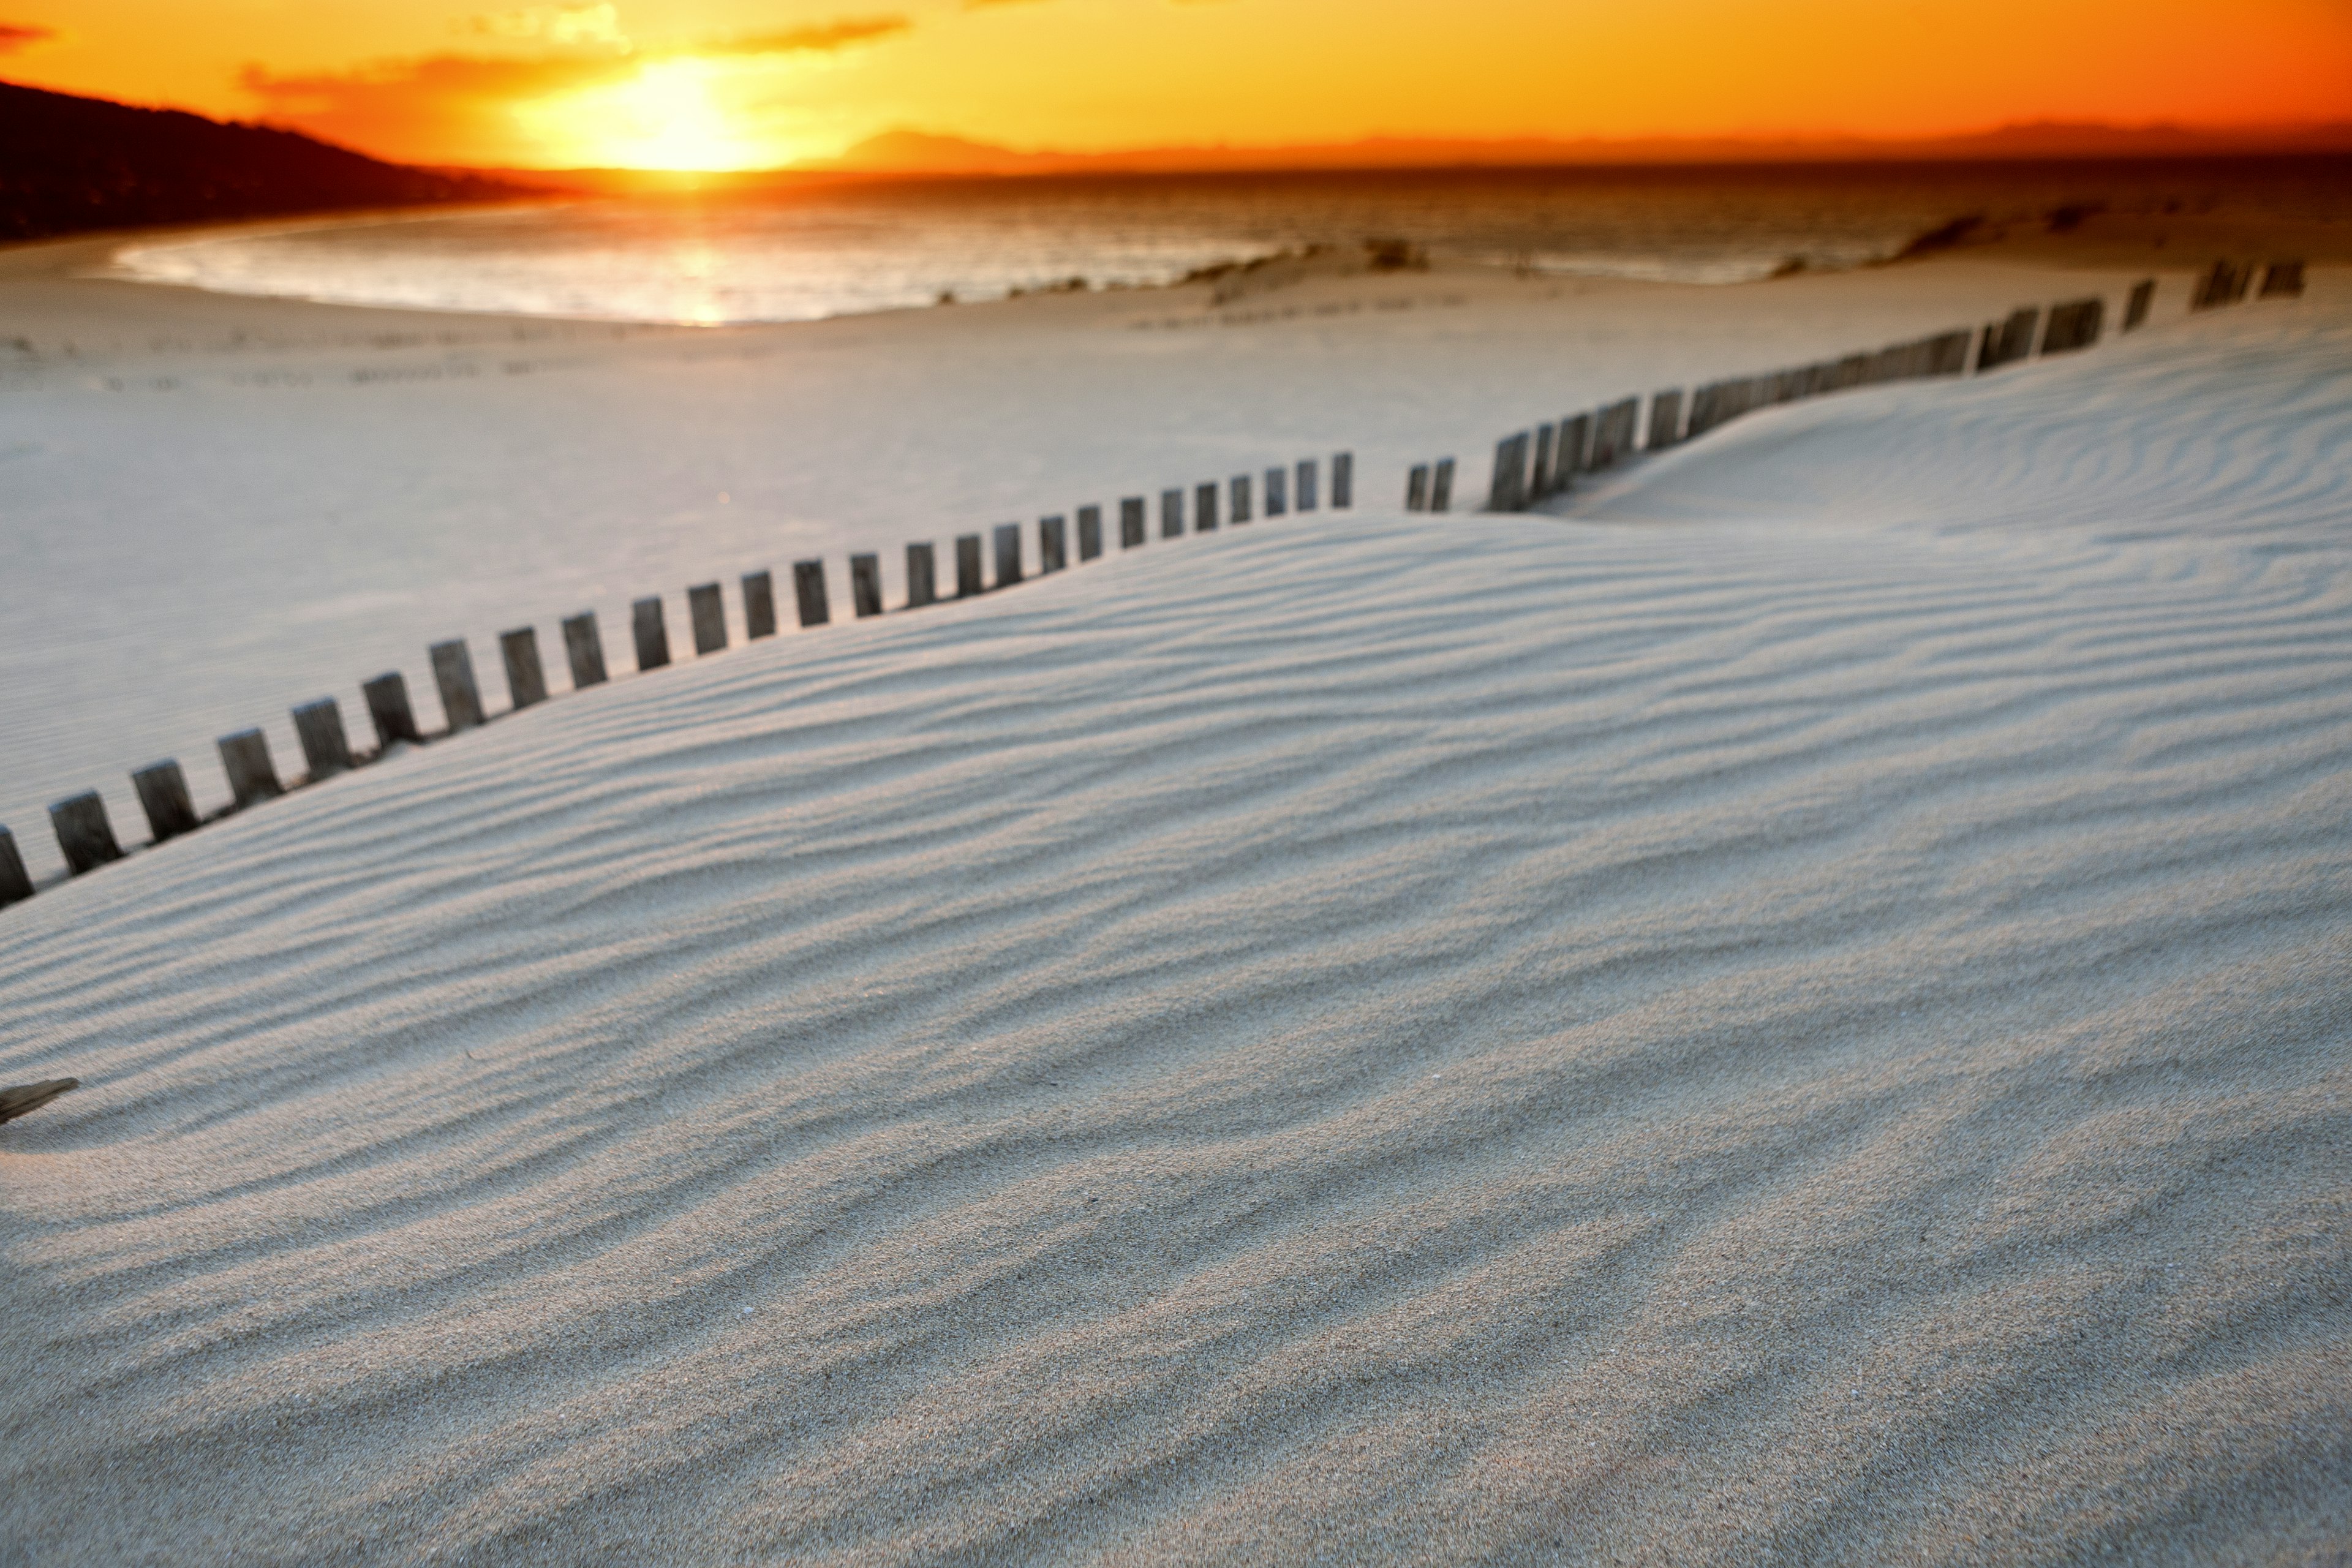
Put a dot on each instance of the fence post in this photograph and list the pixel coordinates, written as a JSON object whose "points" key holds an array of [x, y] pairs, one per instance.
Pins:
{"points": [[865, 585], [164, 795], [1539, 472], [1570, 453], [1343, 481], [2281, 279], [922, 576], [1506, 489], [651, 633], [2143, 295], [1008, 554], [452, 673], [16, 882], [808, 588], [1416, 488], [584, 648], [1171, 514], [1666, 416], [707, 614], [1052, 544], [968, 577], [245, 757], [83, 832], [1303, 492], [758, 606], [1441, 486], [1090, 532], [1239, 485], [387, 700], [319, 727], [526, 682], [1275, 498]]}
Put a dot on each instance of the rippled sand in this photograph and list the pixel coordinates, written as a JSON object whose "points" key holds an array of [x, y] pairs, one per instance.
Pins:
{"points": [[1805, 1015]]}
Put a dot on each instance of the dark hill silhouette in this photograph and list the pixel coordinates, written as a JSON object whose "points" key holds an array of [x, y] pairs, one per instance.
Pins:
{"points": [[77, 164]]}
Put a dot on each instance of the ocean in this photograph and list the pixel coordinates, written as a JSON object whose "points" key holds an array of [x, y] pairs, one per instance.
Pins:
{"points": [[822, 248]]}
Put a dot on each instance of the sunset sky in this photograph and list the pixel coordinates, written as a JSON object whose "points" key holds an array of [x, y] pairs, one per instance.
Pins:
{"points": [[738, 84]]}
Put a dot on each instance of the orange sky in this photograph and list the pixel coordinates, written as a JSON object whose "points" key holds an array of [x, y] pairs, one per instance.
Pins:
{"points": [[738, 84]]}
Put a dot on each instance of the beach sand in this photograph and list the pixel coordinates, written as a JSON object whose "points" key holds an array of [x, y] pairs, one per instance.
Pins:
{"points": [[221, 507], [1800, 1013]]}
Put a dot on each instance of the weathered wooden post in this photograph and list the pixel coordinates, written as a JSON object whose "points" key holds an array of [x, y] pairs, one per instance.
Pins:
{"points": [[2073, 324], [584, 648], [758, 606], [1008, 554], [1441, 486], [1343, 481], [922, 576], [319, 727], [705, 611], [1570, 454], [2283, 280], [245, 758], [1132, 529], [1416, 488], [1506, 488], [16, 882], [1666, 418], [387, 700], [2143, 295], [1053, 546], [526, 682], [1612, 435], [2217, 287], [453, 674], [1090, 532], [83, 832], [865, 585], [967, 572], [1302, 490], [164, 795], [1540, 473], [651, 632], [1171, 514], [1276, 493], [1204, 508], [1239, 495], [808, 588]]}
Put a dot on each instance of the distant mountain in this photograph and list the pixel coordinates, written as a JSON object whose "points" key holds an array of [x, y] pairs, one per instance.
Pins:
{"points": [[921, 152], [76, 163]]}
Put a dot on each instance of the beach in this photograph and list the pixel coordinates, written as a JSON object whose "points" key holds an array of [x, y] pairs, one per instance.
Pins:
{"points": [[1791, 1009]]}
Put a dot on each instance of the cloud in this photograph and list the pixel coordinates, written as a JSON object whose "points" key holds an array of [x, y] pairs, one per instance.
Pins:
{"points": [[452, 109], [573, 26], [821, 38], [15, 35]]}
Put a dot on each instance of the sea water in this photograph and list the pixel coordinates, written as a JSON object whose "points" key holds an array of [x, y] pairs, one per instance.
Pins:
{"points": [[816, 248]]}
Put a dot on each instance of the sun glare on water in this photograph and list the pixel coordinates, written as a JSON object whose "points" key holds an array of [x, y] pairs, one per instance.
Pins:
{"points": [[668, 116]]}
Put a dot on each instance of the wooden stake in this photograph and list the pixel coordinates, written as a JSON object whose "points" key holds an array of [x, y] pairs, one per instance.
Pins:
{"points": [[526, 682], [16, 882], [252, 778], [1053, 546], [164, 795], [808, 588], [387, 700], [1343, 481], [1090, 532], [865, 585], [1417, 489], [453, 674], [1441, 486], [758, 606], [922, 578], [319, 727], [707, 613], [1276, 493], [651, 633], [968, 581], [1204, 508], [1008, 554], [83, 832], [1171, 514], [1133, 528], [584, 648]]}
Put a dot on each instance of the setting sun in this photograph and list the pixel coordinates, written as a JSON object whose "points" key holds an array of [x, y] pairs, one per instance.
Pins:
{"points": [[667, 115]]}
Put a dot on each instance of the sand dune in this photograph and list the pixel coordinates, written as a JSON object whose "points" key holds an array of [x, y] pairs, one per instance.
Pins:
{"points": [[1806, 1021], [222, 507]]}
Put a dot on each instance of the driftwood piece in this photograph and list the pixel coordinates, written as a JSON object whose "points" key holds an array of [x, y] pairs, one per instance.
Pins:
{"points": [[18, 1099]]}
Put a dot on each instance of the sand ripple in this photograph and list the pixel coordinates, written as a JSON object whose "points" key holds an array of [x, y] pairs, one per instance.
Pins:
{"points": [[1809, 1027]]}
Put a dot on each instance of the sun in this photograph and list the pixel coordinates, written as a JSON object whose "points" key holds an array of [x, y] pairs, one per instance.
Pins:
{"points": [[669, 115]]}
